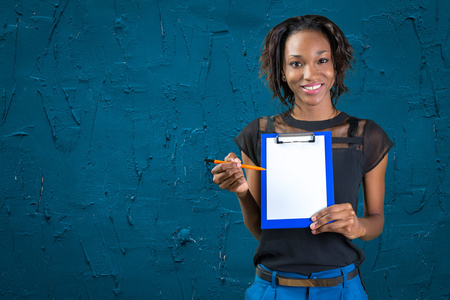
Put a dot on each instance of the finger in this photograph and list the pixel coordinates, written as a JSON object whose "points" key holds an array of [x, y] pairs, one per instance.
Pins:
{"points": [[333, 216], [321, 221], [343, 227], [224, 167], [331, 209], [231, 157], [330, 227], [233, 181], [222, 175], [224, 171], [235, 185]]}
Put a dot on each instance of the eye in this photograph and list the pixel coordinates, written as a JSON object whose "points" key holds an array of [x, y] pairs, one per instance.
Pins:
{"points": [[323, 60], [296, 64]]}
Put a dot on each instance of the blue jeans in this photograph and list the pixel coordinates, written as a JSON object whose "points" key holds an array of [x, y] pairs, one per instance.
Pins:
{"points": [[349, 289]]}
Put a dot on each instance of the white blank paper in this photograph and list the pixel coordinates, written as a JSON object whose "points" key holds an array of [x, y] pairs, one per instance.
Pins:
{"points": [[296, 179]]}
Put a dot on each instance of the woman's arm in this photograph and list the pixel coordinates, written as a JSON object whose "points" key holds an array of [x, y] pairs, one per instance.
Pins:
{"points": [[231, 177], [345, 220], [251, 202], [373, 191]]}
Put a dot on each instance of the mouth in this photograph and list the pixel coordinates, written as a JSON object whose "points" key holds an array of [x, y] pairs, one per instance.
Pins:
{"points": [[312, 88]]}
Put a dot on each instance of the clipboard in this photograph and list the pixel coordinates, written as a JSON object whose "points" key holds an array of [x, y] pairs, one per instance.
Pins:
{"points": [[298, 180]]}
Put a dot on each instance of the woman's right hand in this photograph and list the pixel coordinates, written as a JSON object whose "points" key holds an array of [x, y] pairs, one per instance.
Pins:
{"points": [[229, 176]]}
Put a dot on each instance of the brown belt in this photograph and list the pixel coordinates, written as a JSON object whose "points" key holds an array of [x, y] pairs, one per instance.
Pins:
{"points": [[298, 282]]}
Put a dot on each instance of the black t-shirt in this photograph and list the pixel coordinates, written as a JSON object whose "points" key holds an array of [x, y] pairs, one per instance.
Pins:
{"points": [[358, 146]]}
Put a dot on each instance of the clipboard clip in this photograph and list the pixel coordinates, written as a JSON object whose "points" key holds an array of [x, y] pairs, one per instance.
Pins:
{"points": [[296, 137]]}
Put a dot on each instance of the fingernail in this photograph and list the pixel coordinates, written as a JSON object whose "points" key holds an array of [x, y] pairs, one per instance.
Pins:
{"points": [[313, 218], [312, 226], [313, 232]]}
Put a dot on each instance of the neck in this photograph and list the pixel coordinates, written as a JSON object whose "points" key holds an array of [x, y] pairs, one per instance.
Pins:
{"points": [[314, 113]]}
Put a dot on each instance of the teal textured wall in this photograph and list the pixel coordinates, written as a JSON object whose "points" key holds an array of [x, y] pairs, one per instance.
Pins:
{"points": [[108, 108]]}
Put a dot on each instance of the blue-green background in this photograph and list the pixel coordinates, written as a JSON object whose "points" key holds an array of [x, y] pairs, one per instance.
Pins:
{"points": [[108, 108]]}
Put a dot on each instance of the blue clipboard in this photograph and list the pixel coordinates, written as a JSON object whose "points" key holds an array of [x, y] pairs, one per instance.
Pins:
{"points": [[298, 180]]}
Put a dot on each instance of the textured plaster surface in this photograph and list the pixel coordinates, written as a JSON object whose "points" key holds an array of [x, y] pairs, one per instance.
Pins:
{"points": [[108, 108]]}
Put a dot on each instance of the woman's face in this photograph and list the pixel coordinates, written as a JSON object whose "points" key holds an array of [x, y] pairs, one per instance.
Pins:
{"points": [[308, 67]]}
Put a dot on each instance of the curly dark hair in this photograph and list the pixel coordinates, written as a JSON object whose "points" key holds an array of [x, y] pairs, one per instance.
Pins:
{"points": [[271, 59]]}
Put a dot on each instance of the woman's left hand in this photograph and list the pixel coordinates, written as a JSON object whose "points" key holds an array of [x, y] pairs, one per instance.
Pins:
{"points": [[344, 222]]}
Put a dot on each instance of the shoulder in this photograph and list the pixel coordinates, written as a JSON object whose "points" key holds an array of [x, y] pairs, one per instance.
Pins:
{"points": [[249, 139], [253, 126], [264, 123], [364, 127], [372, 130], [375, 143]]}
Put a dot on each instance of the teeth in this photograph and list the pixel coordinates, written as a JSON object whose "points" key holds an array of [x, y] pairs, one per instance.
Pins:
{"points": [[311, 88]]}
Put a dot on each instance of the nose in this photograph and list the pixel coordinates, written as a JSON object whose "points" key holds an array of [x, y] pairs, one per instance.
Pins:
{"points": [[310, 71]]}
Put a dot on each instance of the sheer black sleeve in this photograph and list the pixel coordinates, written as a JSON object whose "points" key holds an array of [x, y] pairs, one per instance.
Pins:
{"points": [[376, 145], [247, 141]]}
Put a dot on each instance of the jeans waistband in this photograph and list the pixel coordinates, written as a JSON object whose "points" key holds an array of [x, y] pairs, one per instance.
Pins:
{"points": [[327, 278]]}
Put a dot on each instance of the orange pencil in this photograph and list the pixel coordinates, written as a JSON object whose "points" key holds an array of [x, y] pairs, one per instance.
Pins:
{"points": [[242, 166]]}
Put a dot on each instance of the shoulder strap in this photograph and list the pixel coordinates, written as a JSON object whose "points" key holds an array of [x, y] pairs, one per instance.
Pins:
{"points": [[270, 127], [353, 126]]}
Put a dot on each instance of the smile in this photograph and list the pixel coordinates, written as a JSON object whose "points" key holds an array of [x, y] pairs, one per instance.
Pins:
{"points": [[312, 87]]}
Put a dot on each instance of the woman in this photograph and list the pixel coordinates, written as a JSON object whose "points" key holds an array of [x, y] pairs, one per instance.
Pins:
{"points": [[305, 60]]}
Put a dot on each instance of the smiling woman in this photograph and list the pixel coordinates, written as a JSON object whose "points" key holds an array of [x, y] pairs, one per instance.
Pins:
{"points": [[304, 60], [271, 59], [308, 70]]}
